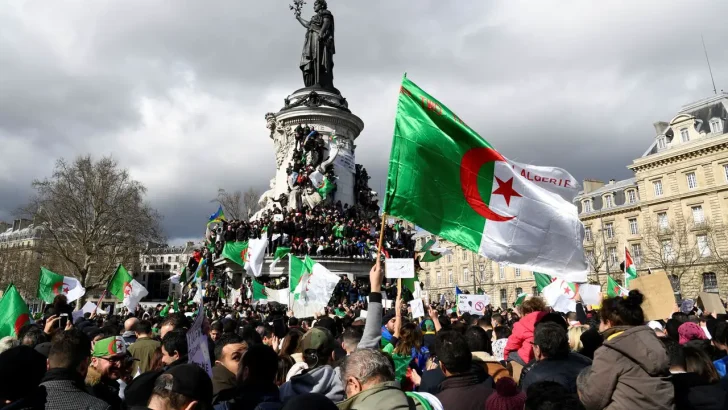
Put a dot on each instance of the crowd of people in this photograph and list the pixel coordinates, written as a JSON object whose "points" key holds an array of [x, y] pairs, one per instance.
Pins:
{"points": [[324, 231], [360, 355]]}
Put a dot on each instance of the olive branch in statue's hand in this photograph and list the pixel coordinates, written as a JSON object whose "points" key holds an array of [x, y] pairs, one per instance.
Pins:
{"points": [[297, 6]]}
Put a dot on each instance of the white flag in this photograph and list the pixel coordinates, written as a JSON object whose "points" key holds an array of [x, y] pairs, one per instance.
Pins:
{"points": [[560, 296], [72, 288], [255, 257], [133, 293], [316, 289]]}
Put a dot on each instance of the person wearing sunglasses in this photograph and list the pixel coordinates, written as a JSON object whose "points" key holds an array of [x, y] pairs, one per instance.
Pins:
{"points": [[107, 365]]}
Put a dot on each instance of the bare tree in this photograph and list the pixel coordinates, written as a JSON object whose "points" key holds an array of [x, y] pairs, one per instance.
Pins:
{"points": [[672, 249], [598, 254], [250, 202], [94, 217], [231, 202], [716, 253]]}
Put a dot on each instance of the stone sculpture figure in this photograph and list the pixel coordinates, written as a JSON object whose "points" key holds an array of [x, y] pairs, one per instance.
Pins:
{"points": [[317, 58]]}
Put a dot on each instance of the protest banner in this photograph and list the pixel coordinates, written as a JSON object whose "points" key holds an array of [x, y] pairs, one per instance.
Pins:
{"points": [[418, 308], [659, 300], [473, 304], [710, 302], [399, 268], [197, 344]]}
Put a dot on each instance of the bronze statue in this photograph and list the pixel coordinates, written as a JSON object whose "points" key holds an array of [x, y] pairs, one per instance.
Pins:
{"points": [[317, 58]]}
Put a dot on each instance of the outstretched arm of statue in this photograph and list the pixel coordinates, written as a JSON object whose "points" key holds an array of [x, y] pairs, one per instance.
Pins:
{"points": [[303, 22]]}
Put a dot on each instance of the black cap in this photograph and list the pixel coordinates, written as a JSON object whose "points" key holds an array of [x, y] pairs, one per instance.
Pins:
{"points": [[386, 318], [192, 382]]}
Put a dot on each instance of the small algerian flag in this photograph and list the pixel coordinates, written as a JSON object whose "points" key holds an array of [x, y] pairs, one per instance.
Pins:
{"points": [[560, 296], [236, 252], [281, 252], [613, 288], [629, 269], [448, 180], [326, 188], [520, 299], [259, 292], [542, 280], [297, 269], [14, 313], [126, 288], [316, 285], [432, 251], [255, 257], [52, 284]]}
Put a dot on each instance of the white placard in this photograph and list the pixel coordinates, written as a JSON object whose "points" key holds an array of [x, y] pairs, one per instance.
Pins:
{"points": [[197, 341], [399, 268], [278, 218], [418, 308], [473, 304], [346, 160], [363, 314]]}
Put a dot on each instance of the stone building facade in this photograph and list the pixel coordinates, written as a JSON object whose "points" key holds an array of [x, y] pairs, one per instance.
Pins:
{"points": [[671, 216], [158, 263]]}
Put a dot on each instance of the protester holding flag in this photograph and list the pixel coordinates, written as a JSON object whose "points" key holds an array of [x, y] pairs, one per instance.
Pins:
{"points": [[126, 288]]}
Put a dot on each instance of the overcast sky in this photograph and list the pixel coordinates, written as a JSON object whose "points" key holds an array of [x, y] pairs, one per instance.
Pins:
{"points": [[177, 90]]}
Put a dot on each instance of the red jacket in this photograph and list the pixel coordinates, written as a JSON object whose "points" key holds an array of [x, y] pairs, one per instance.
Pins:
{"points": [[522, 336]]}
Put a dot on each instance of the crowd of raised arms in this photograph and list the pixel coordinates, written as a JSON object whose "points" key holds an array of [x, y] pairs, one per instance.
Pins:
{"points": [[359, 355], [324, 231]]}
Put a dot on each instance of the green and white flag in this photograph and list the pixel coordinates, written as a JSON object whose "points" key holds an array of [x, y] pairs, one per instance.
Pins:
{"points": [[297, 269], [52, 284], [255, 257], [448, 180], [541, 280], [520, 299], [316, 285], [614, 290], [259, 292], [433, 251], [126, 288], [281, 252], [236, 252], [14, 313]]}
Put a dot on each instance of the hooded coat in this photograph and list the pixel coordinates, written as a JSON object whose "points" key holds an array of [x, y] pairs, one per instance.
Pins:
{"points": [[323, 380], [522, 335], [630, 371]]}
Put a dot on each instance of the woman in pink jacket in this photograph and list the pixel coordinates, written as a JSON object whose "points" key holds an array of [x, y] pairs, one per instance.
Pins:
{"points": [[519, 347]]}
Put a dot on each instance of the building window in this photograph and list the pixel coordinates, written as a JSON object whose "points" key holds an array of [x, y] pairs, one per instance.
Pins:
{"points": [[534, 291], [465, 255], [504, 299], [587, 203], [698, 216], [613, 257], [449, 277], [710, 282], [449, 258], [637, 253], [716, 126], [703, 247], [692, 181], [633, 227], [684, 136], [439, 277], [725, 171], [501, 271], [661, 142], [466, 275], [590, 255], [667, 251], [169, 259], [662, 220], [518, 273], [519, 291], [588, 234], [175, 267], [631, 196], [658, 187], [608, 203], [609, 228], [176, 258]]}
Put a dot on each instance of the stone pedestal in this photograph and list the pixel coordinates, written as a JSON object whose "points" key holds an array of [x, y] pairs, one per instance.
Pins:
{"points": [[328, 114]]}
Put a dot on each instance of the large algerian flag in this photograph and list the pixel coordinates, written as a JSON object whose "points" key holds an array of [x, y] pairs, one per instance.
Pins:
{"points": [[52, 284], [630, 271], [316, 285], [541, 280], [255, 257], [613, 288], [126, 288], [14, 313], [448, 180], [236, 251]]}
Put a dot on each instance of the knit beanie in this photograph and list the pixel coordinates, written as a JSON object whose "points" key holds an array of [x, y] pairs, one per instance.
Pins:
{"points": [[507, 396]]}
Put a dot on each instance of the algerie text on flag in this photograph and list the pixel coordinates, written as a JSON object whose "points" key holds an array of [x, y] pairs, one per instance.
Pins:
{"points": [[448, 180], [14, 313], [51, 284]]}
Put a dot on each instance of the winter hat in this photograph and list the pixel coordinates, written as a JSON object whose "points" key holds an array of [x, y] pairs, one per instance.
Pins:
{"points": [[690, 331], [507, 396], [28, 368], [111, 346]]}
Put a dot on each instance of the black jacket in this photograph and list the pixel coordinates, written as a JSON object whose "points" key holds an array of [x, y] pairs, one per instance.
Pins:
{"points": [[60, 389], [562, 371], [467, 391], [249, 397], [693, 393]]}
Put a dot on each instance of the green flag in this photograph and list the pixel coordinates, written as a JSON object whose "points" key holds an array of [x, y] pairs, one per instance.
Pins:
{"points": [[259, 292], [297, 269], [542, 280], [183, 276], [613, 288], [14, 313], [220, 293], [119, 282], [236, 251], [281, 252], [165, 311], [520, 298], [176, 306]]}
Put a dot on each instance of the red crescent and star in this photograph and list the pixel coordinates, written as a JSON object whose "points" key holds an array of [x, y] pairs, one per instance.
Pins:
{"points": [[470, 166]]}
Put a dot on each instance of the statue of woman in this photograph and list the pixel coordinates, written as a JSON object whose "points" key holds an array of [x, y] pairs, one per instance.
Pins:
{"points": [[317, 58]]}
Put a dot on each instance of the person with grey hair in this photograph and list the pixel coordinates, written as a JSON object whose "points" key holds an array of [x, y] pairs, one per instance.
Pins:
{"points": [[368, 378], [8, 342]]}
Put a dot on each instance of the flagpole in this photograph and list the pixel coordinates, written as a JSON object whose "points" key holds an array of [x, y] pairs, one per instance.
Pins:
{"points": [[379, 254]]}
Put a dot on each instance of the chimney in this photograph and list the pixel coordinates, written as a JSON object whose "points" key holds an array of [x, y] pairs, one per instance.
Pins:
{"points": [[612, 181]]}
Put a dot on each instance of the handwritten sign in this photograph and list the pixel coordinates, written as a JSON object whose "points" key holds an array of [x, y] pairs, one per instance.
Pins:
{"points": [[659, 300], [399, 268], [278, 218], [710, 302], [197, 342], [473, 304], [418, 308]]}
